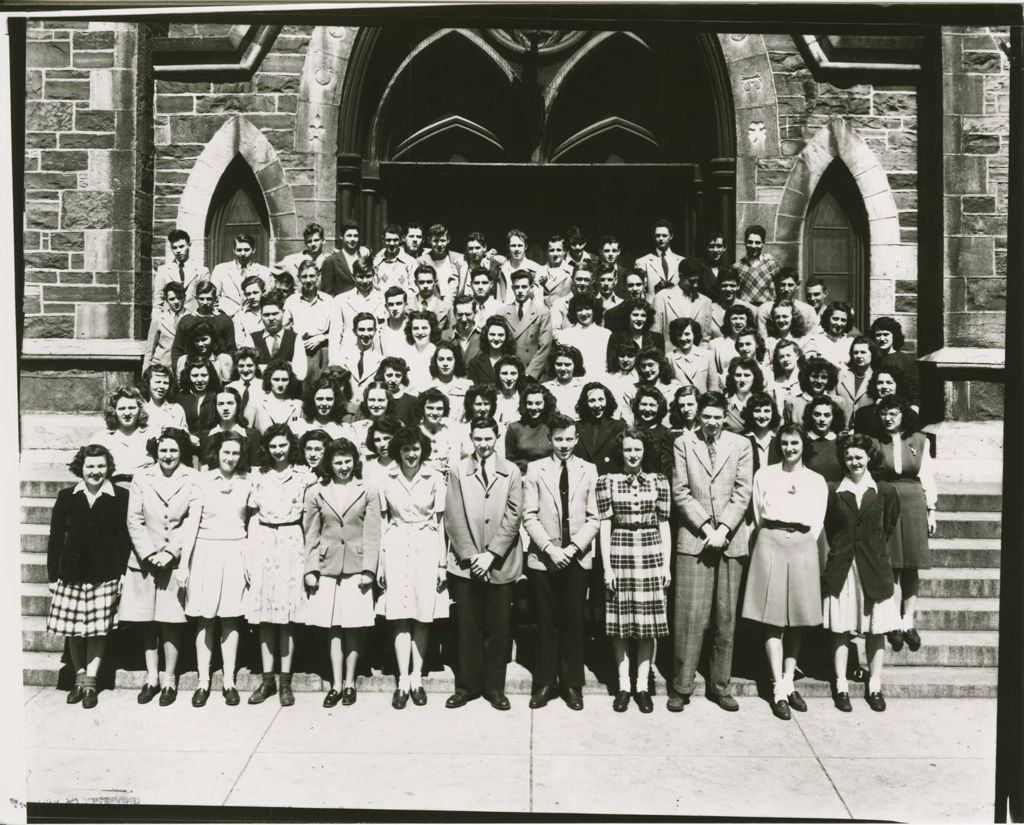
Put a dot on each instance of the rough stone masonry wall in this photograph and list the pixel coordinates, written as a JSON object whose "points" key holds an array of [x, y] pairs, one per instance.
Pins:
{"points": [[886, 120], [189, 114], [976, 103], [86, 203]]}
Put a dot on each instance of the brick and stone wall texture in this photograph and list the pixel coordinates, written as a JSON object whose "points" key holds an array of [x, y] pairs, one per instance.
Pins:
{"points": [[886, 119], [87, 206], [188, 114], [976, 104]]}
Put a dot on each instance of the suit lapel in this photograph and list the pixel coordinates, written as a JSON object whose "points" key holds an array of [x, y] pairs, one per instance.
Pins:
{"points": [[601, 435], [722, 454], [700, 450], [548, 477]]}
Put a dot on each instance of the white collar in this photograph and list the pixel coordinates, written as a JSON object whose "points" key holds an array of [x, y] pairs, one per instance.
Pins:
{"points": [[106, 488], [866, 483]]}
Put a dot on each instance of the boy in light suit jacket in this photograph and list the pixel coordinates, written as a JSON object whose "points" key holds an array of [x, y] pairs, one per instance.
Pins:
{"points": [[482, 514], [711, 487], [561, 519]]}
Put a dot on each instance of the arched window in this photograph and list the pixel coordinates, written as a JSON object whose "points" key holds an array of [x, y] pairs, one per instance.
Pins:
{"points": [[836, 240], [237, 206]]}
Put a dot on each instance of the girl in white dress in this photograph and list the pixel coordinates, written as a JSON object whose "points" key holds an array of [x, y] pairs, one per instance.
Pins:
{"points": [[378, 459], [509, 370], [324, 408], [375, 405], [277, 403], [448, 373], [586, 335], [126, 434], [567, 367], [436, 425], [156, 385], [422, 334]]}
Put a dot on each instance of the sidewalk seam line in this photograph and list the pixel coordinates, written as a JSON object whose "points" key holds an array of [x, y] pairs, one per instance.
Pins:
{"points": [[533, 713], [259, 742], [817, 759]]}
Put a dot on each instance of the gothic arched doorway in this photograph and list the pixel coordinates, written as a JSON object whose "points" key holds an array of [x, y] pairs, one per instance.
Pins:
{"points": [[538, 129]]}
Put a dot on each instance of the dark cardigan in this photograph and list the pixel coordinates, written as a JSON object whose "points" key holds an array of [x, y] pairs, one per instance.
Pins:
{"points": [[88, 545], [862, 533]]}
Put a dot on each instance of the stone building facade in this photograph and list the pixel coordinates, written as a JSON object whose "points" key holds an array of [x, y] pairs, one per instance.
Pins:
{"points": [[133, 129]]}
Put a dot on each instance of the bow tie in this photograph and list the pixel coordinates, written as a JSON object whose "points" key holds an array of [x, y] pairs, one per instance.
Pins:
{"points": [[633, 479]]}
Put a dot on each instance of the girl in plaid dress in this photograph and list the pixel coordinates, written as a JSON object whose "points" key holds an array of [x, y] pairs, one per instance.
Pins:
{"points": [[636, 544], [86, 557]]}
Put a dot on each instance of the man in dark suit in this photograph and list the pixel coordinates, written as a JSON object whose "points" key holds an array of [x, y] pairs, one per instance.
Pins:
{"points": [[483, 512], [530, 324], [273, 342], [336, 272], [463, 331]]}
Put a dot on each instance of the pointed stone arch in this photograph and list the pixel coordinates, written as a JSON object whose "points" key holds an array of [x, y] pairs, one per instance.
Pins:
{"points": [[236, 137], [889, 259]]}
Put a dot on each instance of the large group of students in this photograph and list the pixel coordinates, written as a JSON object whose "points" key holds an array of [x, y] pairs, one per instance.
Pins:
{"points": [[349, 438]]}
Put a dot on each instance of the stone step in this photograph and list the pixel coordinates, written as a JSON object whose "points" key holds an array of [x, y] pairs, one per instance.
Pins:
{"points": [[35, 599], [58, 431], [41, 669], [34, 537], [966, 495], [960, 582], [949, 648], [57, 457], [33, 568], [967, 440], [957, 614], [36, 510], [962, 524], [34, 637], [984, 470], [971, 553], [43, 480]]}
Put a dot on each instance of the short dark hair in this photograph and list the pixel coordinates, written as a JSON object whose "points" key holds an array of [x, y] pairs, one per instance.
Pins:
{"points": [[534, 388], [242, 353], [348, 224], [176, 235], [570, 352], [272, 432], [273, 298], [786, 272], [392, 291], [393, 362], [218, 440], [204, 287], [818, 364], [666, 223], [340, 446], [484, 422], [407, 437], [191, 363], [559, 421], [244, 237], [178, 436], [421, 315], [838, 413], [175, 287], [792, 428], [240, 418], [896, 402], [712, 398], [741, 362], [891, 370], [279, 365], [338, 409], [673, 411], [249, 280], [485, 391], [677, 326], [311, 230], [432, 395], [576, 235], [755, 229], [631, 304], [363, 316], [759, 399], [650, 392], [583, 409], [578, 302], [729, 273], [91, 451], [392, 229], [387, 424], [456, 351], [889, 325], [424, 269], [859, 441], [837, 306]]}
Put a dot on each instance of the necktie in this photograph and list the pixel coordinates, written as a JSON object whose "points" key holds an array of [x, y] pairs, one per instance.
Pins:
{"points": [[362, 359], [483, 474], [181, 271], [520, 312], [712, 452], [563, 490], [272, 345], [245, 395], [664, 266]]}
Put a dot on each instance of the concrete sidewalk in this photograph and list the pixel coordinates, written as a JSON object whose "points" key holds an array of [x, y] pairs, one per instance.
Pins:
{"points": [[923, 760]]}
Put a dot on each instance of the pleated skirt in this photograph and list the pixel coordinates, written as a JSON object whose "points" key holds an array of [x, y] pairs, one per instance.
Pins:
{"points": [[783, 580], [339, 602], [151, 596], [216, 582], [853, 612], [83, 609]]}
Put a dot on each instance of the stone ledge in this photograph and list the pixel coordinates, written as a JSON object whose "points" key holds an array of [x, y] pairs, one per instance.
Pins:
{"points": [[83, 349], [985, 358]]}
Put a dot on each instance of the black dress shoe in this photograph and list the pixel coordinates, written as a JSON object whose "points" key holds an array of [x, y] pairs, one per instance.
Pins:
{"points": [[876, 701], [621, 701], [895, 638], [75, 695], [499, 701], [913, 639], [263, 692], [728, 703], [348, 696], [332, 698], [286, 696], [418, 696], [147, 694], [574, 698], [89, 698], [231, 697], [458, 699], [399, 699], [842, 702], [167, 696], [677, 702], [796, 702], [541, 695], [781, 710], [644, 702], [200, 696]]}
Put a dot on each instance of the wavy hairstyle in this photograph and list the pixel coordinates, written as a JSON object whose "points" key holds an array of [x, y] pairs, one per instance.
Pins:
{"points": [[583, 411], [838, 414], [649, 392], [534, 388], [338, 408], [340, 446], [179, 437], [91, 451], [422, 315], [124, 391], [747, 364], [272, 432], [212, 455], [456, 351]]}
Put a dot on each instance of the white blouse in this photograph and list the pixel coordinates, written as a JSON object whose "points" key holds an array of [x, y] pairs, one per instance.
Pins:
{"points": [[799, 496]]}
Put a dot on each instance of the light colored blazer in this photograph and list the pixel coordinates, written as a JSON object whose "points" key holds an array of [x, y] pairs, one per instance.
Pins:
{"points": [[478, 519], [719, 493], [533, 337], [161, 338], [158, 509], [348, 357], [227, 277], [694, 369], [671, 303], [651, 264], [542, 509], [167, 272], [849, 397], [342, 536]]}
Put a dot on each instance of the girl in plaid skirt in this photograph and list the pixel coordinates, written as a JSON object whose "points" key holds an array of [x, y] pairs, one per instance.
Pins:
{"points": [[86, 557], [636, 546]]}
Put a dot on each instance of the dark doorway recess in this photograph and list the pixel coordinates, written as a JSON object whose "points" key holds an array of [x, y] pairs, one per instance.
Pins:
{"points": [[237, 206]]}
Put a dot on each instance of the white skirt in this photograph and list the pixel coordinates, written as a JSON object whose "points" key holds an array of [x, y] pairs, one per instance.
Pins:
{"points": [[853, 612], [339, 602]]}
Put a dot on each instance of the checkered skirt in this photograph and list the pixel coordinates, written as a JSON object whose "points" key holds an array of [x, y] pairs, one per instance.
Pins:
{"points": [[637, 609], [84, 609]]}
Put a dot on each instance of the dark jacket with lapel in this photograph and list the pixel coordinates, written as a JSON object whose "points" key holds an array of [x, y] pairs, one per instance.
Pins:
{"points": [[335, 275], [481, 371], [88, 544], [861, 533], [774, 452], [596, 441], [533, 338], [200, 411]]}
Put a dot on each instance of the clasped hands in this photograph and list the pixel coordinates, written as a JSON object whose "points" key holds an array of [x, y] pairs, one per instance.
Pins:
{"points": [[561, 557], [480, 565], [715, 538]]}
